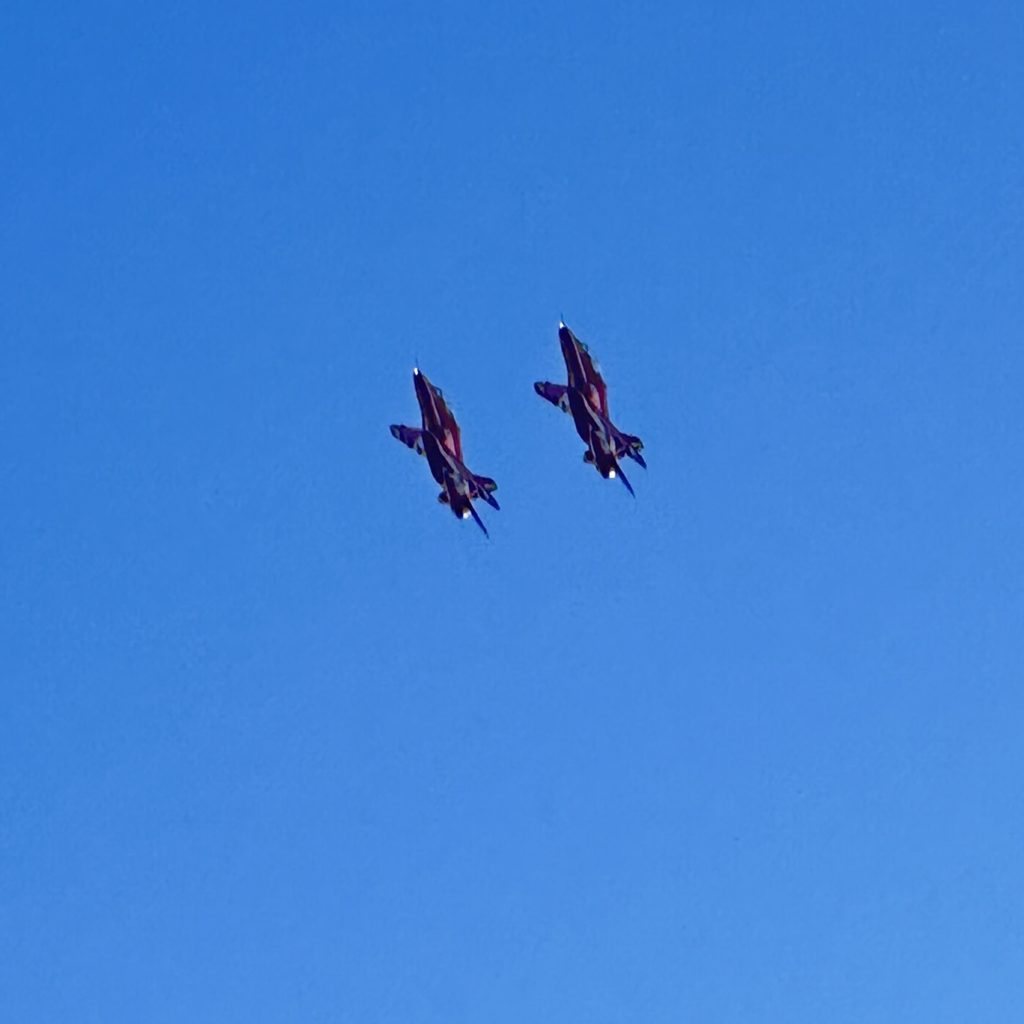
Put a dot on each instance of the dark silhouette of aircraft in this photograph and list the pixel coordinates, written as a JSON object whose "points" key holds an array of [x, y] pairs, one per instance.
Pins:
{"points": [[440, 440], [585, 397]]}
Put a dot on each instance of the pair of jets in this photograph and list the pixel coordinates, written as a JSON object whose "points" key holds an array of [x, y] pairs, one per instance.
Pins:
{"points": [[584, 396]]}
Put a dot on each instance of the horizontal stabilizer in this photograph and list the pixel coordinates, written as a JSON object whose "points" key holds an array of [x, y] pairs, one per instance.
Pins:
{"points": [[483, 486], [629, 445], [634, 454]]}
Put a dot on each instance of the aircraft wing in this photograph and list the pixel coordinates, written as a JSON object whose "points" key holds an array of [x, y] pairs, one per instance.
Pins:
{"points": [[592, 385], [599, 389], [451, 436], [409, 436], [554, 393]]}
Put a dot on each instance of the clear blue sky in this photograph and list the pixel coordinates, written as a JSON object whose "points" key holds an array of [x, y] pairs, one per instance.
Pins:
{"points": [[283, 741]]}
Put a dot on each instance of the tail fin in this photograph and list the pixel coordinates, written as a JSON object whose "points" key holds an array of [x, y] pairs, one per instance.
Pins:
{"points": [[623, 478], [479, 521]]}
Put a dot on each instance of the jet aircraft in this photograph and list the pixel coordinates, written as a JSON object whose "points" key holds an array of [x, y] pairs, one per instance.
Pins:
{"points": [[585, 397], [440, 440]]}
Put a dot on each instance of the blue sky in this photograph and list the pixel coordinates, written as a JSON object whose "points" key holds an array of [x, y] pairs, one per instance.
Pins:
{"points": [[284, 741]]}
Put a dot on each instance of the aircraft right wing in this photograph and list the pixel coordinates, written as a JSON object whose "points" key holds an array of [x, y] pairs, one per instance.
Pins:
{"points": [[598, 387], [450, 433]]}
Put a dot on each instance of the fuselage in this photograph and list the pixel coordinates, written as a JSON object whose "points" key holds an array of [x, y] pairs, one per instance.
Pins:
{"points": [[434, 413], [587, 420], [440, 460], [427, 400], [575, 366], [577, 374], [450, 473], [594, 431]]}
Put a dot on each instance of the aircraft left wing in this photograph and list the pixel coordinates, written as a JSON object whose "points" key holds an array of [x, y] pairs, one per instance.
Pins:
{"points": [[554, 393], [409, 436]]}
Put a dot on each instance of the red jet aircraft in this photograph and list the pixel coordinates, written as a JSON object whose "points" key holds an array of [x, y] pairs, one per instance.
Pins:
{"points": [[440, 440], [585, 396]]}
